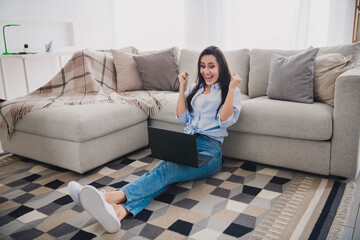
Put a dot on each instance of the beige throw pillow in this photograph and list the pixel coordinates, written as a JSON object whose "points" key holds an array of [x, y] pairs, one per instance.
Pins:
{"points": [[127, 75], [327, 68]]}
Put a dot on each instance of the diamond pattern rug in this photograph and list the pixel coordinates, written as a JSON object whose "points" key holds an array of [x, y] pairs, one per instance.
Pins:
{"points": [[243, 201]]}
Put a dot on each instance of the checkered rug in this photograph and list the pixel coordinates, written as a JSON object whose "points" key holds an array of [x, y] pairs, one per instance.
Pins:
{"points": [[243, 201]]}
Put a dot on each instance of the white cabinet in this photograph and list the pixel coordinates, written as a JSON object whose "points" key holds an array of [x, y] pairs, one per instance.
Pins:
{"points": [[22, 74]]}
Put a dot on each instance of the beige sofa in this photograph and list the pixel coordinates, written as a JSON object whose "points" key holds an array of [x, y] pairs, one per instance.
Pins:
{"points": [[314, 137]]}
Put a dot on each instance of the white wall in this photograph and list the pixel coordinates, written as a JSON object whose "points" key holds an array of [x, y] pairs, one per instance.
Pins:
{"points": [[89, 24], [92, 20]]}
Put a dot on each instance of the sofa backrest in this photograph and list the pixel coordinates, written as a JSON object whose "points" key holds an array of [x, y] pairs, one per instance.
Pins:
{"points": [[238, 61], [260, 64], [260, 68], [345, 49]]}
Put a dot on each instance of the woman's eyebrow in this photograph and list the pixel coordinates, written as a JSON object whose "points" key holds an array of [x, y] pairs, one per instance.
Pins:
{"points": [[208, 63]]}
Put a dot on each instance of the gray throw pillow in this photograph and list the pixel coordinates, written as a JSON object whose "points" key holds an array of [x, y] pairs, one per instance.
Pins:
{"points": [[291, 78], [158, 70]]}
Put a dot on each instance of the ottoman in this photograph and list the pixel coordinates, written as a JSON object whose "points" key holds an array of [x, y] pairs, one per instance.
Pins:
{"points": [[79, 137]]}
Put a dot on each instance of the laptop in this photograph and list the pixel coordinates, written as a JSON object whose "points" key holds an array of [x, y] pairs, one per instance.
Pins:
{"points": [[175, 147]]}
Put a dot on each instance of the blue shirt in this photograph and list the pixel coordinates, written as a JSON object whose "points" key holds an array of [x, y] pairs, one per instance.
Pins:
{"points": [[204, 121]]}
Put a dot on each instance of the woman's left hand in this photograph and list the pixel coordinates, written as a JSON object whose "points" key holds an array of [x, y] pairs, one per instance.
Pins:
{"points": [[235, 80]]}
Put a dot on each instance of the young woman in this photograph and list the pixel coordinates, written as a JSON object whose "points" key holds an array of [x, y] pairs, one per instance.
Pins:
{"points": [[207, 108]]}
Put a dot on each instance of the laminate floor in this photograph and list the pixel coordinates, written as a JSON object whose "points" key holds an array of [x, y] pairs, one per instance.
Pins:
{"points": [[352, 222]]}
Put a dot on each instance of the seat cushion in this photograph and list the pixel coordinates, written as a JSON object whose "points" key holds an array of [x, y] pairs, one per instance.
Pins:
{"points": [[80, 123], [285, 119], [168, 111]]}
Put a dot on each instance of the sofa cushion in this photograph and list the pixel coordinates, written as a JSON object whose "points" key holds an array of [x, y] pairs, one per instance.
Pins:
{"points": [[327, 68], [238, 62], [260, 64], [168, 112], [158, 70], [127, 76], [260, 69], [188, 62], [285, 119], [291, 78], [80, 123], [345, 49]]}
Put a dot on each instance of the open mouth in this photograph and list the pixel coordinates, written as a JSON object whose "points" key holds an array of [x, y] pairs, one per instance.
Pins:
{"points": [[208, 78]]}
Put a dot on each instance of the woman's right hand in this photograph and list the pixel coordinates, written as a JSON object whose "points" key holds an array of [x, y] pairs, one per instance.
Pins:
{"points": [[235, 80], [183, 79]]}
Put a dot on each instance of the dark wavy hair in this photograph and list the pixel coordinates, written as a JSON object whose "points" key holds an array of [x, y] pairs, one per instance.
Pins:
{"points": [[224, 76]]}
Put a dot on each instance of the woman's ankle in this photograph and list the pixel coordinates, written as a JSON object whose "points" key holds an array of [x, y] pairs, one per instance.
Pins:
{"points": [[115, 197], [121, 212]]}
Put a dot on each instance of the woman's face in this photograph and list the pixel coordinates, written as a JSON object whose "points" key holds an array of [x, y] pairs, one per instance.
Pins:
{"points": [[209, 69]]}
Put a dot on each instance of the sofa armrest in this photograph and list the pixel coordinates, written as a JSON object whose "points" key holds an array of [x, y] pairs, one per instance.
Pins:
{"points": [[345, 153]]}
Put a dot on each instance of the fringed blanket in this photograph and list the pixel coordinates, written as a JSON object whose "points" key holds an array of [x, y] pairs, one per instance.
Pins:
{"points": [[87, 78]]}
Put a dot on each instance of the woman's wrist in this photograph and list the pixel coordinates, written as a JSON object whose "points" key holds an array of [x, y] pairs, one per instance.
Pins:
{"points": [[231, 90], [182, 88]]}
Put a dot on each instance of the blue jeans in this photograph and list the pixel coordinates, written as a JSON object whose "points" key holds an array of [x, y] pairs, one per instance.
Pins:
{"points": [[140, 192]]}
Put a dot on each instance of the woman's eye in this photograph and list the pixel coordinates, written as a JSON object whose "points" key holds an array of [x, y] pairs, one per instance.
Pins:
{"points": [[212, 67]]}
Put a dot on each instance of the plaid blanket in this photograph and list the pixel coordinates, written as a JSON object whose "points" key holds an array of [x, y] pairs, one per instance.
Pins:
{"points": [[89, 77]]}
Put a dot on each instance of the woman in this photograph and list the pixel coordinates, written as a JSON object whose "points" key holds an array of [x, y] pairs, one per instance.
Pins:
{"points": [[208, 108]]}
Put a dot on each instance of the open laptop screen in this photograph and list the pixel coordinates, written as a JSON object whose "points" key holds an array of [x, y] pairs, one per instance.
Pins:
{"points": [[173, 146]]}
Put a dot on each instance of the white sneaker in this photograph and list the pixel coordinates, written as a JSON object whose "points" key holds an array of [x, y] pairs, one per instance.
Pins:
{"points": [[74, 191], [93, 201]]}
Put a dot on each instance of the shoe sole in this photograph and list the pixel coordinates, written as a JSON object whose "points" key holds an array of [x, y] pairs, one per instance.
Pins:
{"points": [[93, 203]]}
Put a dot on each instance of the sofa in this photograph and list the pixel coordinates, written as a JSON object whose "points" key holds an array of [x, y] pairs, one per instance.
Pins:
{"points": [[313, 137]]}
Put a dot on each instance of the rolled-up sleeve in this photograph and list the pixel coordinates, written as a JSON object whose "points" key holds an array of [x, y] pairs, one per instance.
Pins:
{"points": [[236, 111], [184, 118]]}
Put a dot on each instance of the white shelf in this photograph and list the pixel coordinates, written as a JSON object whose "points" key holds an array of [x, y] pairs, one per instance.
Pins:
{"points": [[24, 73], [37, 55]]}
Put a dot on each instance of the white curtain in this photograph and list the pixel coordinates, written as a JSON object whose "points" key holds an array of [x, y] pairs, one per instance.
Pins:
{"points": [[233, 24], [149, 25], [229, 24]]}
